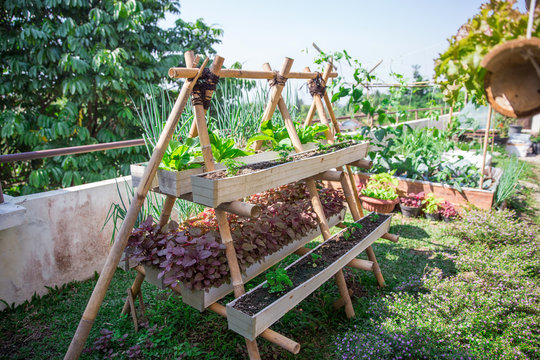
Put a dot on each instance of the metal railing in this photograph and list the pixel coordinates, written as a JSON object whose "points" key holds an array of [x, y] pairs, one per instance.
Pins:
{"points": [[83, 149]]}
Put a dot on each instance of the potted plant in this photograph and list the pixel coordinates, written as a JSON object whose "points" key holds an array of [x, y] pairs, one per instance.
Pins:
{"points": [[412, 204], [536, 145], [448, 211], [379, 194], [432, 207]]}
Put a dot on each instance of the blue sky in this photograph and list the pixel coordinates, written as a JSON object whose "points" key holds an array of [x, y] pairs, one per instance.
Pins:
{"points": [[401, 33]]}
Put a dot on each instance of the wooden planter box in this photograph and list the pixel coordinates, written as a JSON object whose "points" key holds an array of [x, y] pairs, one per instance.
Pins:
{"points": [[482, 199], [212, 192], [177, 183], [251, 326], [201, 299]]}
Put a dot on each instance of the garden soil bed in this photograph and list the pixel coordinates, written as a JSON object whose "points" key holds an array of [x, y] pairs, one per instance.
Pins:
{"points": [[214, 188], [255, 311], [482, 199]]}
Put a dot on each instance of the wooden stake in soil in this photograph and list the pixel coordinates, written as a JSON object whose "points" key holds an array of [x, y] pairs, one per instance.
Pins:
{"points": [[484, 153], [85, 325]]}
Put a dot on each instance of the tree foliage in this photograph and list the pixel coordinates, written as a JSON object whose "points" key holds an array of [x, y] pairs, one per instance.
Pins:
{"points": [[458, 68], [71, 70]]}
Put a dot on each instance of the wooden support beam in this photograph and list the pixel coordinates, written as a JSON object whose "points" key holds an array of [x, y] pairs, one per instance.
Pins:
{"points": [[268, 334], [361, 264], [289, 124], [329, 175], [179, 73], [363, 164], [341, 302], [321, 111], [391, 237], [166, 210], [85, 325], [325, 231], [135, 289], [234, 268], [241, 209], [200, 118], [191, 62]]}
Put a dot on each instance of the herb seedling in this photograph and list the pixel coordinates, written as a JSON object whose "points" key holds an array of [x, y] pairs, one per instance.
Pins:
{"points": [[374, 217], [277, 280], [232, 166], [314, 258], [284, 151]]}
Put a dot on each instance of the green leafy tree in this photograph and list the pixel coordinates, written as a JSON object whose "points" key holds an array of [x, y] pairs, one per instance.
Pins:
{"points": [[458, 68], [71, 70]]}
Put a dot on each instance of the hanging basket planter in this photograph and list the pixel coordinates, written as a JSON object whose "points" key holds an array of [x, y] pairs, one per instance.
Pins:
{"points": [[377, 205], [512, 81]]}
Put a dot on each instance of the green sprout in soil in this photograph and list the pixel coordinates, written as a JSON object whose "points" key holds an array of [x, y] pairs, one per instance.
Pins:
{"points": [[314, 258], [374, 217], [232, 166], [277, 280]]}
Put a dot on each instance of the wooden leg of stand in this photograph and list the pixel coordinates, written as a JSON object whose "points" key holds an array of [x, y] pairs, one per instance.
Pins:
{"points": [[133, 311], [344, 291], [376, 269], [166, 210], [135, 290]]}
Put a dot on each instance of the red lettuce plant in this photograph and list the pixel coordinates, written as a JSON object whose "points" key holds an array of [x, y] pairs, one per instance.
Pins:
{"points": [[194, 255], [413, 200], [448, 210]]}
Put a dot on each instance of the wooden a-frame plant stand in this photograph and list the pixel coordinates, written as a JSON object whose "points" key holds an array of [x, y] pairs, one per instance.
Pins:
{"points": [[192, 74]]}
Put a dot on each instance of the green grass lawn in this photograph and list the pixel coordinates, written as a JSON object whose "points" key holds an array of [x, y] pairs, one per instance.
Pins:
{"points": [[445, 298]]}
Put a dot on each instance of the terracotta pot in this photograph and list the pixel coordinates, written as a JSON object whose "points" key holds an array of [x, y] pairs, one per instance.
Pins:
{"points": [[380, 206], [409, 211]]}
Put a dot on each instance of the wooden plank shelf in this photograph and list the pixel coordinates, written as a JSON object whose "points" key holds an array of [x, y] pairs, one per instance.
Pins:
{"points": [[250, 326], [201, 299], [212, 192]]}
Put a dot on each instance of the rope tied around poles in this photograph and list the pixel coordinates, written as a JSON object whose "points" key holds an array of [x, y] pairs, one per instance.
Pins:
{"points": [[277, 80], [206, 82], [317, 86]]}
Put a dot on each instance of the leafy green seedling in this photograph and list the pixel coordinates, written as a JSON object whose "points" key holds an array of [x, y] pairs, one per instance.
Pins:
{"points": [[277, 280], [314, 258], [374, 217], [232, 166]]}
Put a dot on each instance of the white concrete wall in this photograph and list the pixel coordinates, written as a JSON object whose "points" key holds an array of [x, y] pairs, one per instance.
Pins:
{"points": [[60, 239]]}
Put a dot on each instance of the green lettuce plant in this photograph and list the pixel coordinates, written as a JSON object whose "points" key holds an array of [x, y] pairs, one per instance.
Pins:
{"points": [[381, 186], [181, 156], [431, 204]]}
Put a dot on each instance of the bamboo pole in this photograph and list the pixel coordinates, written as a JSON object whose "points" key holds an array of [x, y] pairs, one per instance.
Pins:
{"points": [[200, 118], [325, 231], [179, 73], [275, 95], [320, 108], [135, 289], [268, 334], [329, 175], [166, 211], [92, 308], [241, 208], [289, 124], [234, 268], [340, 302], [310, 114], [363, 164], [191, 62], [484, 153]]}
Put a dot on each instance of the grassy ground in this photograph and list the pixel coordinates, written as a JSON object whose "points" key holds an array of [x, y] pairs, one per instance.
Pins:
{"points": [[444, 297]]}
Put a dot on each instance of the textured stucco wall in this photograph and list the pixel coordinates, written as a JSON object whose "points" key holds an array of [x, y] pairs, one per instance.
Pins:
{"points": [[60, 239]]}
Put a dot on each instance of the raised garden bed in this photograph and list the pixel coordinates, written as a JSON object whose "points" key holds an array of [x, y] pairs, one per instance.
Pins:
{"points": [[214, 188], [482, 199], [253, 312], [201, 299]]}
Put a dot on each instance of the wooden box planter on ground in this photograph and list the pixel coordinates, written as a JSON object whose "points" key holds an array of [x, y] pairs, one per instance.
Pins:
{"points": [[212, 192], [250, 326], [482, 199], [201, 299]]}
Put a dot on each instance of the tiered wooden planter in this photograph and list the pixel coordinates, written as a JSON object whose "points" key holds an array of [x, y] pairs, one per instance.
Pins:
{"points": [[250, 326], [212, 192], [201, 299]]}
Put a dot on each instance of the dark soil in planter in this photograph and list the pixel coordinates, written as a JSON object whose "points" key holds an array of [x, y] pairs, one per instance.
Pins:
{"points": [[304, 270], [251, 168]]}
